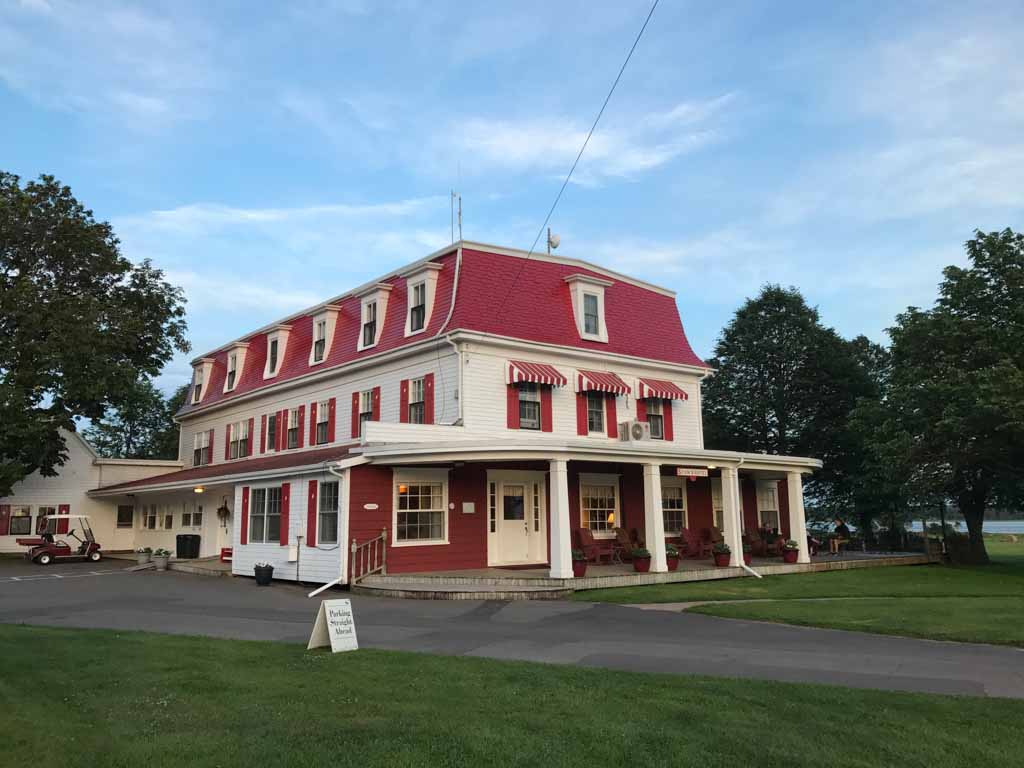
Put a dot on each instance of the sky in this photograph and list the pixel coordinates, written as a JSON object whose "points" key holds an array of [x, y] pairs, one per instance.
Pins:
{"points": [[268, 156]]}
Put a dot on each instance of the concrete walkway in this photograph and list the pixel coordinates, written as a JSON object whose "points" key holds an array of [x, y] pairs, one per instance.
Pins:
{"points": [[593, 635]]}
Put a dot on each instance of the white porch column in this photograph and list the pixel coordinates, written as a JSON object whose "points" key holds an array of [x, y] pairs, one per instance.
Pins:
{"points": [[654, 523], [561, 542], [731, 514], [797, 521]]}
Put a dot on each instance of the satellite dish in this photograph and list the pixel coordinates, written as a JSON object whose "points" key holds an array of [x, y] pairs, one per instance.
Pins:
{"points": [[554, 240]]}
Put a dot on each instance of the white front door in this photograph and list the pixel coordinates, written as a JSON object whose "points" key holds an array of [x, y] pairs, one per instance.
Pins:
{"points": [[513, 525], [517, 532]]}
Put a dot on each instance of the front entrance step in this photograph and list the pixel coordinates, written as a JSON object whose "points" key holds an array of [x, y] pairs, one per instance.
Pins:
{"points": [[207, 566], [445, 589]]}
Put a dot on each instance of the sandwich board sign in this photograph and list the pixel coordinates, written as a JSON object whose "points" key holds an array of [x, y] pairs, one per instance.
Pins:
{"points": [[334, 626]]}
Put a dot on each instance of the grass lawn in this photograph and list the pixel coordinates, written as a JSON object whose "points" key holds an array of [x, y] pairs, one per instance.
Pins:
{"points": [[969, 603], [87, 698]]}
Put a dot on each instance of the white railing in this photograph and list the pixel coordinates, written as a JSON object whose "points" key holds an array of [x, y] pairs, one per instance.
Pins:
{"points": [[369, 557]]}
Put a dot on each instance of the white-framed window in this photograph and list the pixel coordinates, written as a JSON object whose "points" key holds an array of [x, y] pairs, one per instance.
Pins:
{"points": [[327, 515], [369, 331], [197, 385], [599, 504], [272, 432], [168, 519], [193, 519], [21, 520], [201, 448], [417, 412], [591, 315], [673, 506], [323, 413], [292, 436], [595, 412], [47, 513], [418, 307], [265, 515], [536, 508], [421, 508], [273, 354], [768, 506], [716, 503], [588, 306], [319, 339], [149, 517], [492, 506], [365, 408], [238, 445], [125, 516], [656, 419], [529, 406], [229, 384]]}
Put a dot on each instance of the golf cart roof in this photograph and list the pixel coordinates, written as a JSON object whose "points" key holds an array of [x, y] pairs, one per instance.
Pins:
{"points": [[66, 517]]}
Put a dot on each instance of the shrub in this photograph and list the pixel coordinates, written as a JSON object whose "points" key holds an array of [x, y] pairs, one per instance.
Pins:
{"points": [[671, 551], [640, 553], [721, 548]]}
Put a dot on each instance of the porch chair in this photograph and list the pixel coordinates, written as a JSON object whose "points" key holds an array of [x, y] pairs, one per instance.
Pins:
{"points": [[695, 546], [622, 547], [591, 549]]}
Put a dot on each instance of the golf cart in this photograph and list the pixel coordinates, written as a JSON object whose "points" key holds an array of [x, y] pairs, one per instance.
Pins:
{"points": [[45, 549]]}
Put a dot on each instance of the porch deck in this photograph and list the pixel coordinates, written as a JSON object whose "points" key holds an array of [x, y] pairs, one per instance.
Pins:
{"points": [[534, 583]]}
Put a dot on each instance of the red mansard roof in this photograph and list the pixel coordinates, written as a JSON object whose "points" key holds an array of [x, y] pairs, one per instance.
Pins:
{"points": [[641, 322]]}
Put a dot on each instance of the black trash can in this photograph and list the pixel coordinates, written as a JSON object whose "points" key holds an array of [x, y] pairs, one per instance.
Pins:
{"points": [[187, 546]]}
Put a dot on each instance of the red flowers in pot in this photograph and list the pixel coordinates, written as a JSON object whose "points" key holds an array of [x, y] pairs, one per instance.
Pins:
{"points": [[641, 560], [722, 554]]}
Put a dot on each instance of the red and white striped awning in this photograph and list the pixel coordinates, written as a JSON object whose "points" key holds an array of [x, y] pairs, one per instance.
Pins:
{"points": [[601, 381], [660, 390], [534, 373]]}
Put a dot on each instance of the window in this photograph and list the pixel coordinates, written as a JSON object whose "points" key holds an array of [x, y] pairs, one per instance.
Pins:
{"points": [[716, 503], [149, 520], [168, 521], [125, 515], [327, 523], [323, 413], [656, 419], [192, 519], [767, 506], [365, 408], [595, 412], [529, 406], [21, 521], [369, 324], [536, 507], [272, 432], [416, 407], [197, 389], [265, 516], [591, 318], [421, 512], [238, 447], [201, 448], [492, 506], [598, 505], [673, 508], [418, 307], [293, 428], [319, 340], [232, 370], [186, 519], [272, 343], [46, 513]]}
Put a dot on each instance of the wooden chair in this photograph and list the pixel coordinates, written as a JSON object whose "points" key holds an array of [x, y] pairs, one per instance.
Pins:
{"points": [[591, 549], [637, 539], [695, 546], [622, 548]]}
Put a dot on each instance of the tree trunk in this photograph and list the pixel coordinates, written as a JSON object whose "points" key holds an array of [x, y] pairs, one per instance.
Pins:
{"points": [[974, 515]]}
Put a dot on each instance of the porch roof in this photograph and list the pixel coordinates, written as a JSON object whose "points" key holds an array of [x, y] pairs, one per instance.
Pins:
{"points": [[210, 474]]}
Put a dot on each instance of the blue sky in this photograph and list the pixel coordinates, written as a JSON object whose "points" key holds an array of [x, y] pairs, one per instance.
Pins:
{"points": [[270, 155]]}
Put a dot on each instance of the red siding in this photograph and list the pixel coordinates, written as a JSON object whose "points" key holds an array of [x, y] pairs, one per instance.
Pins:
{"points": [[286, 501], [311, 510], [748, 495], [244, 538], [700, 515]]}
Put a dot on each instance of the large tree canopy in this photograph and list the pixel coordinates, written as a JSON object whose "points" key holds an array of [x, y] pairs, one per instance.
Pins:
{"points": [[142, 427], [958, 381], [80, 324]]}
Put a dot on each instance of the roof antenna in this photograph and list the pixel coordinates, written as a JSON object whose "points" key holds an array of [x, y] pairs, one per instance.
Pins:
{"points": [[460, 217], [452, 206], [553, 240]]}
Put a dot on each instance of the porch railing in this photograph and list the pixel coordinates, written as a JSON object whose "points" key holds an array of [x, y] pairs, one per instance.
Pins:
{"points": [[369, 557]]}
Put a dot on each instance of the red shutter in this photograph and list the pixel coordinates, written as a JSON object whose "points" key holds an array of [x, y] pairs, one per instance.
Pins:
{"points": [[611, 416], [302, 426], [286, 497], [581, 413], [62, 525], [245, 516], [312, 423], [227, 442], [252, 436], [330, 420], [281, 438], [263, 433], [403, 402], [311, 515], [355, 414], [211, 446], [641, 410], [513, 406], [666, 409], [428, 399], [546, 417], [376, 404], [5, 519]]}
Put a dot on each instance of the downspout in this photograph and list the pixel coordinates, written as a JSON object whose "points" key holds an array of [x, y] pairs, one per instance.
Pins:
{"points": [[739, 500], [448, 338]]}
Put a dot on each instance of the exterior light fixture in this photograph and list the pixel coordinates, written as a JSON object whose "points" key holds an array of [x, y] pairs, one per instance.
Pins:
{"points": [[198, 489]]}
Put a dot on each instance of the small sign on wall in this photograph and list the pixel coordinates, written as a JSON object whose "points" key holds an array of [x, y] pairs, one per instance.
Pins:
{"points": [[690, 472], [371, 507], [469, 507], [335, 626]]}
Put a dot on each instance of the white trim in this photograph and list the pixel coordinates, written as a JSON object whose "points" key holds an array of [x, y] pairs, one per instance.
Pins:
{"points": [[239, 350], [329, 317], [414, 476], [377, 295], [668, 481], [603, 479], [536, 540], [425, 275], [201, 370], [280, 334], [580, 287]]}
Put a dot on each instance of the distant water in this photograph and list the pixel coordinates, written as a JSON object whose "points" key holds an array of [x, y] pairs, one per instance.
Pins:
{"points": [[990, 526]]}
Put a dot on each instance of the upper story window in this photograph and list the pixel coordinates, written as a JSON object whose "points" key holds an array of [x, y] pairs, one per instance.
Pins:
{"points": [[372, 311], [232, 371], [200, 448], [273, 344], [529, 406], [324, 323], [272, 432], [656, 418], [197, 386], [293, 428], [319, 340], [595, 412], [588, 300], [417, 408], [418, 307], [365, 408], [238, 444], [277, 345], [369, 324], [591, 317], [421, 283], [322, 416]]}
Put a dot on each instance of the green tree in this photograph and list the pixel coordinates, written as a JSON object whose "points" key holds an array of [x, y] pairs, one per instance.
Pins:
{"points": [[786, 384], [958, 382], [142, 427], [79, 323]]}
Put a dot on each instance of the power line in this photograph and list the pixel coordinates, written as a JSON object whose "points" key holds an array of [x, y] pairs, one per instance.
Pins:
{"points": [[577, 160]]}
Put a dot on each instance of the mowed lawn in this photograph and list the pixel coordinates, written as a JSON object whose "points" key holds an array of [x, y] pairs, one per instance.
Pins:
{"points": [[967, 603], [88, 698]]}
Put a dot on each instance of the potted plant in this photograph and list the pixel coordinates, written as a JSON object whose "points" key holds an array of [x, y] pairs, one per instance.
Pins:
{"points": [[748, 557], [672, 557], [579, 563], [144, 555], [641, 560], [722, 554], [160, 558], [790, 551], [264, 574]]}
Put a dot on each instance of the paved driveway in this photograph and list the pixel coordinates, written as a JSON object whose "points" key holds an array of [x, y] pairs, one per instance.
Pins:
{"points": [[595, 635]]}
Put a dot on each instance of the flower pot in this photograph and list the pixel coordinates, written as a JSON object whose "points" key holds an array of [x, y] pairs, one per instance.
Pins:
{"points": [[579, 568], [160, 561], [747, 558], [641, 564], [722, 560], [144, 557], [263, 575], [790, 555], [673, 563]]}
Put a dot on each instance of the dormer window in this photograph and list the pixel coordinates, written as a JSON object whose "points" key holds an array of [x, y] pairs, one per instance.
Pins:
{"points": [[272, 345], [197, 387], [232, 371], [421, 285], [324, 323], [277, 346], [588, 294], [319, 340], [418, 308], [591, 318], [369, 323], [202, 369], [373, 309]]}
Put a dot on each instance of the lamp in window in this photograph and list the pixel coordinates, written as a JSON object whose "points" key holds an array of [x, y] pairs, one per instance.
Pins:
{"points": [[403, 488], [611, 518]]}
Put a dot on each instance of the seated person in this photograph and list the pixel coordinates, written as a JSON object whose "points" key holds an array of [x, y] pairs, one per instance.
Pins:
{"points": [[840, 535]]}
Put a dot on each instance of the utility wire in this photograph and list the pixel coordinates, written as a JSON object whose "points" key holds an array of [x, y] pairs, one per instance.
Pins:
{"points": [[586, 141]]}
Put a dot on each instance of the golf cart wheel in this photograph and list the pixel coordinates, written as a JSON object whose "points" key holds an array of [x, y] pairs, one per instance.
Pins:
{"points": [[95, 556], [45, 559]]}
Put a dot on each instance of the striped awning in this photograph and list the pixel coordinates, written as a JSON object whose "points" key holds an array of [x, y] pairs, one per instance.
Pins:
{"points": [[534, 373], [601, 381], [659, 389]]}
